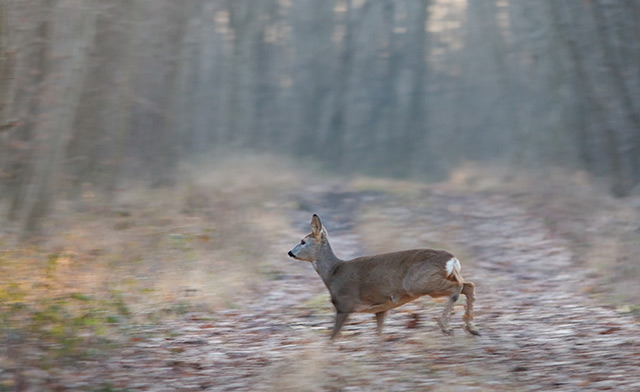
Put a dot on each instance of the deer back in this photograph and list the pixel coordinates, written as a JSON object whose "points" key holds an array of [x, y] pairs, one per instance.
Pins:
{"points": [[380, 282]]}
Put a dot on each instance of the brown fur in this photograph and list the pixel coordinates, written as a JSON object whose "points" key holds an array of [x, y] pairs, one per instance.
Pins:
{"points": [[375, 284]]}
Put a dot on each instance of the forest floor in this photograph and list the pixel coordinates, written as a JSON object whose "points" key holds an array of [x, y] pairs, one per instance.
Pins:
{"points": [[543, 325]]}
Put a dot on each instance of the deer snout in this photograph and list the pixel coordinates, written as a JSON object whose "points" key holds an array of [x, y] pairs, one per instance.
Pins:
{"points": [[291, 254]]}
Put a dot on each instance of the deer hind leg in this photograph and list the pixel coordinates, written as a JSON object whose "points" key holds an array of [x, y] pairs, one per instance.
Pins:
{"points": [[443, 321], [340, 319], [468, 289], [380, 321]]}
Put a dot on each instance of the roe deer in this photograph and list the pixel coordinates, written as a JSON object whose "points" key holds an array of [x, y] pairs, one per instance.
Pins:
{"points": [[375, 284]]}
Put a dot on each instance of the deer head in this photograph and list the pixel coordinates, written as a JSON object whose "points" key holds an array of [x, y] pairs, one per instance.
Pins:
{"points": [[309, 247]]}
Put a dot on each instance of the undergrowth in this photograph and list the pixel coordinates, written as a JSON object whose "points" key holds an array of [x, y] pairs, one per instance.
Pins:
{"points": [[602, 231], [107, 268]]}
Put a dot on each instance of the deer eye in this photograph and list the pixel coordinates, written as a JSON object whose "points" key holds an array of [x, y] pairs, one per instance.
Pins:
{"points": [[302, 242]]}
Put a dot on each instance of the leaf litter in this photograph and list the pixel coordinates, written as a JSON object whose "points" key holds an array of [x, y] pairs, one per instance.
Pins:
{"points": [[540, 331]]}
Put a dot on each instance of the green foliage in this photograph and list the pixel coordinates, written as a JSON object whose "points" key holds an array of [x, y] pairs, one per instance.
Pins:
{"points": [[68, 326]]}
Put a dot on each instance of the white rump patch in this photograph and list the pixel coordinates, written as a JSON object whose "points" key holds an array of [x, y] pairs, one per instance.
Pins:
{"points": [[453, 264]]}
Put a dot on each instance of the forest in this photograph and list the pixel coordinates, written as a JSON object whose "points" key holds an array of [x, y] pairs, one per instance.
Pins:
{"points": [[158, 159]]}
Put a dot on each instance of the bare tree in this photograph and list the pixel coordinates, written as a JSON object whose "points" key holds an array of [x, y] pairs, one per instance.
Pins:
{"points": [[53, 130], [97, 91], [25, 103], [7, 62]]}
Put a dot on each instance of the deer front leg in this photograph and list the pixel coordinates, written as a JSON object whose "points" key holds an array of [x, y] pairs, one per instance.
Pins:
{"points": [[468, 289], [340, 319], [380, 321]]}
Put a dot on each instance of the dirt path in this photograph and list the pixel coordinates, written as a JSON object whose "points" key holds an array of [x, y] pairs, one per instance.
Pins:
{"points": [[539, 329]]}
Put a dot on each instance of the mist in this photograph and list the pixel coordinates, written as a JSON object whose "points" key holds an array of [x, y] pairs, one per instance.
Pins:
{"points": [[94, 92], [157, 158]]}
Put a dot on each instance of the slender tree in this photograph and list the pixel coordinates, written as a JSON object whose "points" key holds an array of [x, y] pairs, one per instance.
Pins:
{"points": [[53, 129]]}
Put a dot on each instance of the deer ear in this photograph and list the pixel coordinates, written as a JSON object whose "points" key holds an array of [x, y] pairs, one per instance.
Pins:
{"points": [[316, 226]]}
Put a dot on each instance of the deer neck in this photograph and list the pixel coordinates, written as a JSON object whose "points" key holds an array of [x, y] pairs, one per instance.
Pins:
{"points": [[325, 262]]}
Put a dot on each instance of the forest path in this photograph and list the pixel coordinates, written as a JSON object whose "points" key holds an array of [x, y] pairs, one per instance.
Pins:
{"points": [[540, 331]]}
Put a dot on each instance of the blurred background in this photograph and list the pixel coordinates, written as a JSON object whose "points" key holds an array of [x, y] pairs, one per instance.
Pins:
{"points": [[149, 148], [97, 91]]}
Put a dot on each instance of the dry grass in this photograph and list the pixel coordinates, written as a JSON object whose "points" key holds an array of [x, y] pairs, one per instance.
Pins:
{"points": [[602, 231], [390, 225], [110, 275], [105, 271], [151, 253]]}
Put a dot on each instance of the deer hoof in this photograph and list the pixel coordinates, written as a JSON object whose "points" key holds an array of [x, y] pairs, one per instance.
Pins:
{"points": [[445, 329], [473, 330]]}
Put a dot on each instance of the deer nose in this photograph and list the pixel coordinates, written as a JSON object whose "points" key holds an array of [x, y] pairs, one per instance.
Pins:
{"points": [[291, 254]]}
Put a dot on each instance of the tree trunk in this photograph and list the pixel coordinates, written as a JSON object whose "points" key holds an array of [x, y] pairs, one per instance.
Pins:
{"points": [[243, 19], [168, 151], [71, 43], [628, 139], [124, 101], [32, 65], [333, 146], [417, 131]]}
